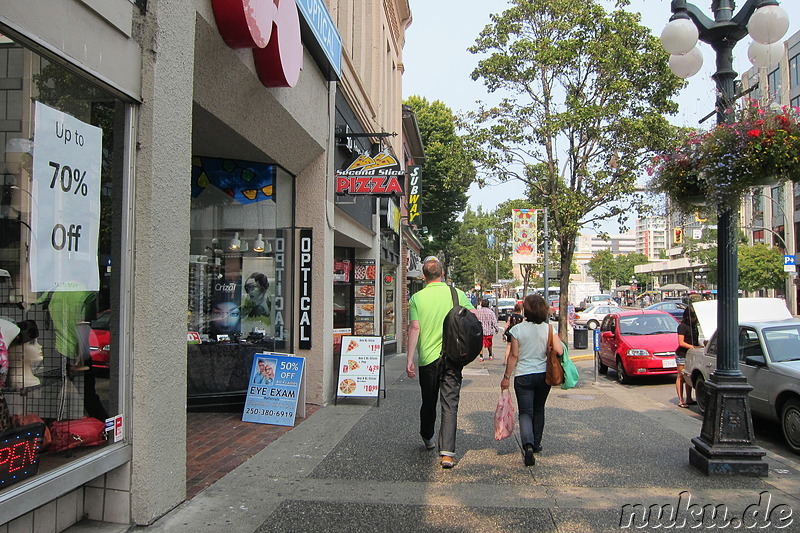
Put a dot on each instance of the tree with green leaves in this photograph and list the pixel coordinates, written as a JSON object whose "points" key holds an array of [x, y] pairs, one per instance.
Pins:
{"points": [[586, 92], [447, 174], [761, 267], [603, 268], [480, 253], [626, 271]]}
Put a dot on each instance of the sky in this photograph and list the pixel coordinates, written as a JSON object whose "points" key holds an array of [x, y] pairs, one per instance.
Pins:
{"points": [[438, 65]]}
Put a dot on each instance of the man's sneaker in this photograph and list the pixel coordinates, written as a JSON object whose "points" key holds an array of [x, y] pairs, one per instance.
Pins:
{"points": [[491, 358], [530, 460], [429, 444], [448, 462], [480, 359]]}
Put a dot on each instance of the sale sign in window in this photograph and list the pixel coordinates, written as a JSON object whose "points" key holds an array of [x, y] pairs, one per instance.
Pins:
{"points": [[360, 366], [65, 213]]}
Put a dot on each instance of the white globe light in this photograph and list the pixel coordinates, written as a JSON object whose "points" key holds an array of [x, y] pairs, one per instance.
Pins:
{"points": [[768, 24], [765, 55], [679, 36], [686, 65]]}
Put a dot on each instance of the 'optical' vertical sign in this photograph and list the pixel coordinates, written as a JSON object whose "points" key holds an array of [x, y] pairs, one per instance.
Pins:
{"points": [[65, 216], [304, 324]]}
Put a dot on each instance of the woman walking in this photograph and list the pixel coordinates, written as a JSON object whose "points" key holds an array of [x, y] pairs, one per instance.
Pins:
{"points": [[528, 358], [688, 337], [513, 319]]}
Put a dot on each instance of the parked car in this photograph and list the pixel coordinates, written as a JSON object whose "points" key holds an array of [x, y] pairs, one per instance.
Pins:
{"points": [[505, 306], [554, 307], [597, 299], [769, 357], [676, 309], [638, 342], [100, 340], [594, 315]]}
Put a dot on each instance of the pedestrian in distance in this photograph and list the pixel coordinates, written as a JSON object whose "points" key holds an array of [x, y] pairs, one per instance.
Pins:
{"points": [[513, 319], [528, 364], [489, 323], [439, 379], [688, 337]]}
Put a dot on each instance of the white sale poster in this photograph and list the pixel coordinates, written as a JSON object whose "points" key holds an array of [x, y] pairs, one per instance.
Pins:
{"points": [[65, 218]]}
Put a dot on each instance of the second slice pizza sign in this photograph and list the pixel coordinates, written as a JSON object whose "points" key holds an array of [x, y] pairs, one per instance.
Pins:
{"points": [[360, 366]]}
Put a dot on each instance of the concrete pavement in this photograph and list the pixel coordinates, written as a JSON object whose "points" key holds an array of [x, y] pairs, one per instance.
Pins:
{"points": [[359, 467]]}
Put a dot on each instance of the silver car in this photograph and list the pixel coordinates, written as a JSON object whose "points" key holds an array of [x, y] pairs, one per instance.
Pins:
{"points": [[769, 357]]}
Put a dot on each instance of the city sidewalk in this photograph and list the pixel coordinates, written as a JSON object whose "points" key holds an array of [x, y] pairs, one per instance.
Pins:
{"points": [[359, 467]]}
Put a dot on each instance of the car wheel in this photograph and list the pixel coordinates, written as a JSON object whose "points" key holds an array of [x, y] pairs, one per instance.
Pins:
{"points": [[602, 368], [622, 377], [592, 324], [700, 394], [790, 422]]}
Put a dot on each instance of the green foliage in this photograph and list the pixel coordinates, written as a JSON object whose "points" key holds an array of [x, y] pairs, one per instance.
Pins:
{"points": [[472, 259], [625, 269], [760, 267], [587, 91], [603, 268], [447, 174]]}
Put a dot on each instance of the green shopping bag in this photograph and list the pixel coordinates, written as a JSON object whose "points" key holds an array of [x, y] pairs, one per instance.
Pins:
{"points": [[570, 372]]}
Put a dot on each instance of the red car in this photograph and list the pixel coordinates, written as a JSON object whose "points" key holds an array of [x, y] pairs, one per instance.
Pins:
{"points": [[638, 342], [100, 340]]}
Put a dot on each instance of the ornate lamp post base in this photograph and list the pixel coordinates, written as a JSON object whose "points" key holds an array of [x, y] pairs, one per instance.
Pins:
{"points": [[725, 444]]}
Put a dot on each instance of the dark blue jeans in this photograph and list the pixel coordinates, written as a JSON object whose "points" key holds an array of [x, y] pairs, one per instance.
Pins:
{"points": [[440, 381], [531, 391]]}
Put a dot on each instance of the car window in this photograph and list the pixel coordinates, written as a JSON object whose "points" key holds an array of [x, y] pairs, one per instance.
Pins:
{"points": [[748, 343], [783, 344]]}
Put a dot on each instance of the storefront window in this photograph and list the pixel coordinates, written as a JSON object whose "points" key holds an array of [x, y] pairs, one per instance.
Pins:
{"points": [[240, 272], [389, 303], [343, 262], [61, 220]]}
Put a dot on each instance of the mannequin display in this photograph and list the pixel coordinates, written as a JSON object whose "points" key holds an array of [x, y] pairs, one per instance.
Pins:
{"points": [[8, 332], [25, 354]]}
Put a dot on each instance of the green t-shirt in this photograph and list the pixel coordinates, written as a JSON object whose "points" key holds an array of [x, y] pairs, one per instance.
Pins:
{"points": [[429, 306]]}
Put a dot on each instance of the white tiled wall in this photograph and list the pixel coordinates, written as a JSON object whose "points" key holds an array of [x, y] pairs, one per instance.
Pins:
{"points": [[105, 499]]}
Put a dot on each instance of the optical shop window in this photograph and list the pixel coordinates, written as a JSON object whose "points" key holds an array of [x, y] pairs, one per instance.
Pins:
{"points": [[61, 172], [240, 273]]}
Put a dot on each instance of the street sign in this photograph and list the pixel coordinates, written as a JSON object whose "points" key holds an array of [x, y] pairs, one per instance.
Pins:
{"points": [[789, 263], [505, 281], [596, 339], [496, 285]]}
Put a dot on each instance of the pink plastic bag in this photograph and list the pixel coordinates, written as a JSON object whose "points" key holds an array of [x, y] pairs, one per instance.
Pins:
{"points": [[504, 416]]}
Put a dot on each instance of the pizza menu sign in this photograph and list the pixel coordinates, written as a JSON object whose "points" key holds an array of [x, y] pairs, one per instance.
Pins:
{"points": [[360, 367]]}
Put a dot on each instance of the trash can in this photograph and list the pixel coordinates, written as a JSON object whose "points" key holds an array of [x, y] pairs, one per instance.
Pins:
{"points": [[580, 338]]}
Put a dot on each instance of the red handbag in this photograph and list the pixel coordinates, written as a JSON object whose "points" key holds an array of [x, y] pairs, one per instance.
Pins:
{"points": [[68, 434]]}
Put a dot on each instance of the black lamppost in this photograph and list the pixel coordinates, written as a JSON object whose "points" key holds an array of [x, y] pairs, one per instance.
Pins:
{"points": [[726, 442]]}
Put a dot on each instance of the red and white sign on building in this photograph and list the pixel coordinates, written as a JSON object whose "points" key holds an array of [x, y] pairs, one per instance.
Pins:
{"points": [[272, 29]]}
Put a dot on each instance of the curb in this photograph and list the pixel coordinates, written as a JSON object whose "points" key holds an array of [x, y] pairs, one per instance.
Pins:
{"points": [[581, 358]]}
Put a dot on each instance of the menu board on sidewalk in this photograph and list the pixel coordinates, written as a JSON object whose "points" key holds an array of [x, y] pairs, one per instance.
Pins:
{"points": [[360, 367]]}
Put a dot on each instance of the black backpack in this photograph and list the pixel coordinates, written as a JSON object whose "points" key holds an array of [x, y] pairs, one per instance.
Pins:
{"points": [[462, 334]]}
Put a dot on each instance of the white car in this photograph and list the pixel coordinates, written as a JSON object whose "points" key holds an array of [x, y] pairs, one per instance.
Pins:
{"points": [[592, 316], [769, 357], [597, 299]]}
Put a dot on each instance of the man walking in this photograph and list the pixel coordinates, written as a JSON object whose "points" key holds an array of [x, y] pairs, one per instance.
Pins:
{"points": [[489, 323], [437, 376]]}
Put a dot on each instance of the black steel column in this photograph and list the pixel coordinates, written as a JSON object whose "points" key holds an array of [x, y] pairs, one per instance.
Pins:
{"points": [[726, 442]]}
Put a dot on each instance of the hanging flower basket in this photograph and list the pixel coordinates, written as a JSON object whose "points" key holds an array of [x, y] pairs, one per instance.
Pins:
{"points": [[760, 146]]}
